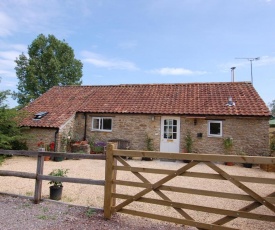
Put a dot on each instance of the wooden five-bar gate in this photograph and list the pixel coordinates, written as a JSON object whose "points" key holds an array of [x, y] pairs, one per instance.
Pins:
{"points": [[115, 201], [160, 188]]}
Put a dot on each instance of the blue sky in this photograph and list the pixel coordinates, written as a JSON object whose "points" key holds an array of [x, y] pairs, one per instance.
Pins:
{"points": [[148, 41]]}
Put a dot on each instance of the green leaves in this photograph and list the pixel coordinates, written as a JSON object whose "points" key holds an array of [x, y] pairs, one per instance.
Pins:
{"points": [[272, 107], [58, 172], [51, 62]]}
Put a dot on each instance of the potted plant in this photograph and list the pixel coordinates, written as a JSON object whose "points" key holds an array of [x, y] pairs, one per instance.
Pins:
{"points": [[41, 146], [243, 153], [228, 144], [97, 147], [47, 158], [270, 167], [188, 145], [149, 147], [57, 187]]}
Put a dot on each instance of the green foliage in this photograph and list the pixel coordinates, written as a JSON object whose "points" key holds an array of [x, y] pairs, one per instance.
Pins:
{"points": [[188, 142], [3, 96], [272, 143], [228, 143], [50, 62], [149, 143], [60, 173], [272, 107], [11, 136], [2, 159], [90, 212]]}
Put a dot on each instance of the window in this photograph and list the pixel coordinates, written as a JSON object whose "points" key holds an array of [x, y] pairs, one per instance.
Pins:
{"points": [[214, 128], [170, 129], [39, 115], [102, 123]]}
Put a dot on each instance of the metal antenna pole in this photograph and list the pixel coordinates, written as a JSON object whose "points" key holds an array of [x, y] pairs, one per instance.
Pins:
{"points": [[251, 71], [251, 60]]}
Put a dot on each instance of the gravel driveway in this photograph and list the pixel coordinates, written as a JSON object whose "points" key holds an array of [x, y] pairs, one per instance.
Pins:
{"points": [[22, 214]]}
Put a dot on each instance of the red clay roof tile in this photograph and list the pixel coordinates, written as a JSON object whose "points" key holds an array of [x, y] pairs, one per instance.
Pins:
{"points": [[62, 102]]}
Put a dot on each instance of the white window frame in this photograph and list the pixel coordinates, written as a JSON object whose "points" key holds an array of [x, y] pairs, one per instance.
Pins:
{"points": [[208, 128], [100, 119]]}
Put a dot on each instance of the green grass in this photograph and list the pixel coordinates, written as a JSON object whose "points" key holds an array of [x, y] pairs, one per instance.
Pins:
{"points": [[90, 212], [42, 217], [2, 159], [29, 193], [67, 199]]}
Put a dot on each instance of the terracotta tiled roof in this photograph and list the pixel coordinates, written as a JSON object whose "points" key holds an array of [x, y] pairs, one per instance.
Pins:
{"points": [[198, 99]]}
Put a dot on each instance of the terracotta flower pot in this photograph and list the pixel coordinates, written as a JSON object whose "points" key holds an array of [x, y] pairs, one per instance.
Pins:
{"points": [[47, 158]]}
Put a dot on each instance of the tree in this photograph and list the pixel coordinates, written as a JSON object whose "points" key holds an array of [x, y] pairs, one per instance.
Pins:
{"points": [[11, 136], [50, 62], [272, 107]]}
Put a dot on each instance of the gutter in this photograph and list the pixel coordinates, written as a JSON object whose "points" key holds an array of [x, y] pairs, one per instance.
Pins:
{"points": [[55, 138], [85, 127]]}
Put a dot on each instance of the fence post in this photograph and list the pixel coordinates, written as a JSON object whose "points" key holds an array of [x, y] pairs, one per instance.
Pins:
{"points": [[38, 182], [110, 187]]}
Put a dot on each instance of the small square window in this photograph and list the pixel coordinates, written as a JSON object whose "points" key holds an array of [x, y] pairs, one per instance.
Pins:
{"points": [[102, 123], [214, 128]]}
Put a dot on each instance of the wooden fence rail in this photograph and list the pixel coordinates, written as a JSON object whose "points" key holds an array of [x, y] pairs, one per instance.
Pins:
{"points": [[144, 187], [39, 177], [118, 202]]}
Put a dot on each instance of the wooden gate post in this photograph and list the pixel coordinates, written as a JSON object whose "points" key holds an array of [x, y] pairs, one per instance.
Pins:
{"points": [[110, 175], [38, 182]]}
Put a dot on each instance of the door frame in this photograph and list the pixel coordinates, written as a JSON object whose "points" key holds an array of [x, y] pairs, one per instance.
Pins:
{"points": [[166, 145]]}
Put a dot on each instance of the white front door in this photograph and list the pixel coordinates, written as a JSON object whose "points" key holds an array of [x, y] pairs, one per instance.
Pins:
{"points": [[170, 134]]}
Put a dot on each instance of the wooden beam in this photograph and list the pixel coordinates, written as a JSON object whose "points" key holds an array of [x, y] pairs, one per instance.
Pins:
{"points": [[176, 220], [38, 182], [196, 156], [215, 176], [250, 192], [230, 213], [72, 180], [109, 188], [158, 192], [155, 186], [247, 208], [18, 174], [53, 154]]}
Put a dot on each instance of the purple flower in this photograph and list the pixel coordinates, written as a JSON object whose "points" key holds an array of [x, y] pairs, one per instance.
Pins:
{"points": [[100, 144]]}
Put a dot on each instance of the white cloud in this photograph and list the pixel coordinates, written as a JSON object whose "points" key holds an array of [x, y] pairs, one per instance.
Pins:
{"points": [[9, 55], [103, 62], [28, 16], [6, 73], [6, 24], [7, 64], [176, 71]]}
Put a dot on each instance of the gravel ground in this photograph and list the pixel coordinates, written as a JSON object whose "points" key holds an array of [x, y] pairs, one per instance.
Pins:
{"points": [[19, 213]]}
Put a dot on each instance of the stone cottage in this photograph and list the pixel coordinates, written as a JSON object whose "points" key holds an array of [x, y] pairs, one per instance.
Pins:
{"points": [[163, 114]]}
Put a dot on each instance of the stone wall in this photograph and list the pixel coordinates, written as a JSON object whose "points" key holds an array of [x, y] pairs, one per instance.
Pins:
{"points": [[36, 135], [132, 128], [65, 135], [47, 135], [249, 134]]}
